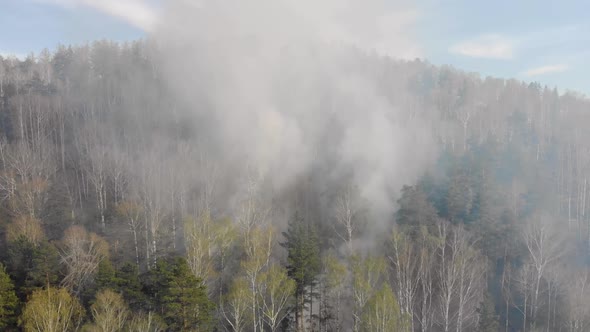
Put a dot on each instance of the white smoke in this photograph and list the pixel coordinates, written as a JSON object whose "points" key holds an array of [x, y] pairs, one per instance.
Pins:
{"points": [[283, 89]]}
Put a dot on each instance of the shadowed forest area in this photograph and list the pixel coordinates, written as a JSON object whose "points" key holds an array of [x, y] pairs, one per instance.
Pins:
{"points": [[127, 205]]}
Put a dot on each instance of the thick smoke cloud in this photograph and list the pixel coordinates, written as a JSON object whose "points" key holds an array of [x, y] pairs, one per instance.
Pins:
{"points": [[283, 87]]}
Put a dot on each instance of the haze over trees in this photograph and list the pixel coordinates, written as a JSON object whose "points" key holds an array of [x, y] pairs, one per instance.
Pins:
{"points": [[154, 186]]}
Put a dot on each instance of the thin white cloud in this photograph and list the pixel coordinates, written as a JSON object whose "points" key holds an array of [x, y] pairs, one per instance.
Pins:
{"points": [[486, 46], [550, 69], [135, 12]]}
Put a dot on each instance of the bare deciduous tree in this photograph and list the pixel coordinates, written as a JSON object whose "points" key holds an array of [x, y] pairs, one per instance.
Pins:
{"points": [[258, 249], [346, 211], [461, 278], [150, 184], [52, 310], [26, 177], [276, 290], [131, 212], [81, 253], [109, 312], [426, 273], [545, 245], [576, 300], [367, 275], [198, 241], [235, 306], [405, 271], [25, 227], [145, 322]]}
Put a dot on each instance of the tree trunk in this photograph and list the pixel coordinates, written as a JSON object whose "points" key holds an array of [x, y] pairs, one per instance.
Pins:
{"points": [[299, 313], [136, 245], [147, 247]]}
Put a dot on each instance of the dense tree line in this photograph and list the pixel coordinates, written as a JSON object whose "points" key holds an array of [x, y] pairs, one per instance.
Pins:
{"points": [[119, 213]]}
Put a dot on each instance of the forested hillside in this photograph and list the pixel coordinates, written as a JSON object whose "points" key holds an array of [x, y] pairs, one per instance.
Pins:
{"points": [[129, 204]]}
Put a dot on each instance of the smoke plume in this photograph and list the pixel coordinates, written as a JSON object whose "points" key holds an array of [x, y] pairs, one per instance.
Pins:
{"points": [[285, 88]]}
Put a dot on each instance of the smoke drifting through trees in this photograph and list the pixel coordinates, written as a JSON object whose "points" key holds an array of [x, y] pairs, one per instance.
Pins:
{"points": [[272, 95], [207, 141]]}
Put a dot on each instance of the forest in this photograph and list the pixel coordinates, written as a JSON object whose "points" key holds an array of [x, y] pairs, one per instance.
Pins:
{"points": [[139, 194]]}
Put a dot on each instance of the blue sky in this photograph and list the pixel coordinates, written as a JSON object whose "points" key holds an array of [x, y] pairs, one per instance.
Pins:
{"points": [[30, 26], [532, 40], [545, 41]]}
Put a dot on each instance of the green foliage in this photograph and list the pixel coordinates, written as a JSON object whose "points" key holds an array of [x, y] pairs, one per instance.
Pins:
{"points": [[179, 296], [304, 262], [125, 281], [235, 304], [8, 299], [382, 313], [109, 312], [334, 275], [105, 278], [488, 319], [415, 210], [367, 274], [32, 266], [522, 150], [145, 322], [335, 272], [460, 197], [52, 310], [276, 292], [106, 275], [128, 283]]}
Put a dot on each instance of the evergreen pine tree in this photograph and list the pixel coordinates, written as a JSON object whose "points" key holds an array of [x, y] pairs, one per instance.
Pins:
{"points": [[302, 244], [8, 299], [488, 320], [129, 284], [180, 296], [32, 266]]}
